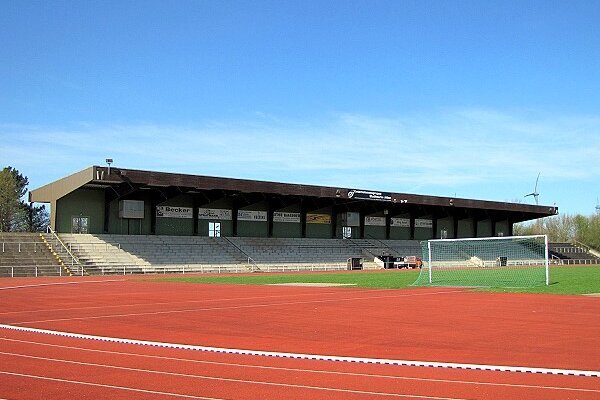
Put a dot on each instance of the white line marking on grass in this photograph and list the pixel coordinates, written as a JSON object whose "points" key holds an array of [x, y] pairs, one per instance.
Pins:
{"points": [[410, 363], [60, 283], [131, 389], [313, 371], [237, 307]]}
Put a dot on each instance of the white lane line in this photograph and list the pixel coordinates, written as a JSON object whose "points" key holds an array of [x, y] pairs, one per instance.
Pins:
{"points": [[181, 302], [383, 361], [61, 283], [237, 307], [232, 380], [131, 389], [312, 371]]}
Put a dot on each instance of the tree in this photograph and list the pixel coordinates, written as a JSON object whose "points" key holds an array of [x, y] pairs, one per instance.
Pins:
{"points": [[9, 200], [15, 213]]}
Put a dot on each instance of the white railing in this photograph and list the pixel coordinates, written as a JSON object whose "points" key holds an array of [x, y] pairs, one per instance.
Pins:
{"points": [[20, 245], [26, 270]]}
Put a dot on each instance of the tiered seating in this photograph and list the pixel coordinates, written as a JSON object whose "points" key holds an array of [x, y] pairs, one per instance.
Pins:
{"points": [[25, 254], [119, 254], [98, 256], [572, 254], [182, 253], [273, 254]]}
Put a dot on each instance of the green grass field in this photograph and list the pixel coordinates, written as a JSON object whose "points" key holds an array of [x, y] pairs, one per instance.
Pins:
{"points": [[564, 280]]}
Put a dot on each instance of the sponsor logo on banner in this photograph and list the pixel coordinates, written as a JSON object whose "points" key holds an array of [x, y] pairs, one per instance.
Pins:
{"points": [[279, 216], [400, 222], [375, 221], [423, 223], [251, 215], [215, 213], [174, 212], [318, 219], [368, 195]]}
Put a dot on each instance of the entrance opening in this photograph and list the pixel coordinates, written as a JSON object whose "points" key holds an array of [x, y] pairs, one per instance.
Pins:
{"points": [[214, 229], [80, 224]]}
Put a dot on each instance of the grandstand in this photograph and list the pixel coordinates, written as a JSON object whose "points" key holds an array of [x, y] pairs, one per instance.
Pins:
{"points": [[27, 254], [120, 220]]}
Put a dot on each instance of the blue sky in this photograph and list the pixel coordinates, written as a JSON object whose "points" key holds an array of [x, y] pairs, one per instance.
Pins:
{"points": [[465, 98]]}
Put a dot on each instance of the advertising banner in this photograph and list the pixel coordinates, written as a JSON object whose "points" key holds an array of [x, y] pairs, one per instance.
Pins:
{"points": [[215, 213], [368, 195], [318, 219], [252, 215], [400, 222], [374, 221], [423, 223], [174, 212], [279, 216]]}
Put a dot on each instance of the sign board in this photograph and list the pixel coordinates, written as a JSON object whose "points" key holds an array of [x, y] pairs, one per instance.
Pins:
{"points": [[133, 209], [279, 216], [368, 195], [423, 223], [174, 212], [400, 222], [374, 221], [318, 219], [252, 215], [215, 213]]}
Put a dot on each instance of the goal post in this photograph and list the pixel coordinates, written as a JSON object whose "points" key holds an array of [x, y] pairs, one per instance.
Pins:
{"points": [[505, 261]]}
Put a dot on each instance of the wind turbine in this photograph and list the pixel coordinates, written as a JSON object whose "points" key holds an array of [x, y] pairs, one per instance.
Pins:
{"points": [[535, 193]]}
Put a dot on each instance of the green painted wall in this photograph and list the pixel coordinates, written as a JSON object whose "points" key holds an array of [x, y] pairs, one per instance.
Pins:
{"points": [[502, 228], [81, 202], [254, 228], [226, 225], [288, 229], [176, 226], [319, 231], [398, 233], [465, 228], [123, 226], [446, 224], [376, 232], [484, 228]]}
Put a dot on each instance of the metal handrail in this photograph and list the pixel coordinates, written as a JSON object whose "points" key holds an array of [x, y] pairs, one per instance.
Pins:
{"points": [[250, 259], [19, 243], [73, 258]]}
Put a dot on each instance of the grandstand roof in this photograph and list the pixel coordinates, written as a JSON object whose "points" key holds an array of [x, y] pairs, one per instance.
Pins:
{"points": [[123, 181]]}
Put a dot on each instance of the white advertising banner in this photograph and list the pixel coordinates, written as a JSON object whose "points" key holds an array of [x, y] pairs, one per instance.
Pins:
{"points": [[279, 216], [400, 222], [252, 215], [423, 223], [174, 212], [215, 213], [375, 221]]}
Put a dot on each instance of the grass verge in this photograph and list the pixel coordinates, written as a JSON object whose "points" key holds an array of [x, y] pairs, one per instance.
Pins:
{"points": [[564, 280]]}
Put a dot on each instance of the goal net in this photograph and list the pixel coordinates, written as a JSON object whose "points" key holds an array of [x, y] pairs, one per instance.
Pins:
{"points": [[512, 261]]}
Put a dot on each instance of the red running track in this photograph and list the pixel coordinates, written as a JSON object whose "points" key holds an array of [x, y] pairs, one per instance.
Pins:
{"points": [[443, 325]]}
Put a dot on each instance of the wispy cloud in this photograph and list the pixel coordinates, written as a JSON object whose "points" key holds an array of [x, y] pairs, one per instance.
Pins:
{"points": [[439, 152]]}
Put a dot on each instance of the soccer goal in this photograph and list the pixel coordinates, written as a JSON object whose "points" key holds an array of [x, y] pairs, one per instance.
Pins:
{"points": [[511, 261]]}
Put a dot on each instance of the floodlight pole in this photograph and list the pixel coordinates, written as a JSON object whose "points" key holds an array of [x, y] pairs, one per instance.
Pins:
{"points": [[109, 161]]}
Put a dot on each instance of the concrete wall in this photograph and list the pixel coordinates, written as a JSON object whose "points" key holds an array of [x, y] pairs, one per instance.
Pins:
{"points": [[254, 228], [319, 230], [445, 224], [176, 226], [81, 203], [288, 229], [226, 225], [466, 228], [484, 228]]}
